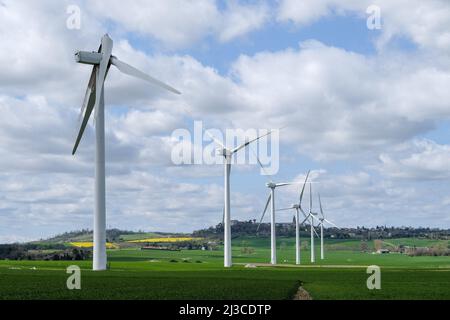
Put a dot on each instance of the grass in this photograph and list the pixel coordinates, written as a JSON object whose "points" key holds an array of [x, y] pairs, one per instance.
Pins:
{"points": [[197, 274]]}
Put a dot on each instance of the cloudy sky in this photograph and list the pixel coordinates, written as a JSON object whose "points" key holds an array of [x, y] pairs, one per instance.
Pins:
{"points": [[367, 110]]}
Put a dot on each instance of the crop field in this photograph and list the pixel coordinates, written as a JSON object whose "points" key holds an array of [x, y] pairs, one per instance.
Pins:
{"points": [[197, 274], [164, 240]]}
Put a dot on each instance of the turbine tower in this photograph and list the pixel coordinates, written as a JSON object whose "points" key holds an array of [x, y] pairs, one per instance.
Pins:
{"points": [[227, 155], [95, 98], [298, 208], [322, 220]]}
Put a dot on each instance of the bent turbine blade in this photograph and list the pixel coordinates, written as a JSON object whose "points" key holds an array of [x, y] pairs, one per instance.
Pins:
{"points": [[106, 50], [89, 107], [132, 71], [88, 93]]}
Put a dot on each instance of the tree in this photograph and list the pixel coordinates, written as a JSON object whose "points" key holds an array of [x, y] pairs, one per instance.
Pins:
{"points": [[364, 247]]}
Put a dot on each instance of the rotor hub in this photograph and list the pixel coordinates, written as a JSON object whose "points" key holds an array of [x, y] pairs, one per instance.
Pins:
{"points": [[271, 185]]}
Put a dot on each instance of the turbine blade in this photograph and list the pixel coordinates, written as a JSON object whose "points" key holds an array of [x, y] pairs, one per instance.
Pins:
{"points": [[89, 107], [307, 217], [251, 141], [310, 197], [223, 216], [329, 222], [214, 139], [87, 95], [303, 188], [320, 205], [314, 229], [132, 71], [106, 50], [285, 184], [284, 209], [264, 212], [259, 162], [303, 212]]}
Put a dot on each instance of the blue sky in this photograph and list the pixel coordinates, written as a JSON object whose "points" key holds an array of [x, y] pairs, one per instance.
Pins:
{"points": [[366, 110]]}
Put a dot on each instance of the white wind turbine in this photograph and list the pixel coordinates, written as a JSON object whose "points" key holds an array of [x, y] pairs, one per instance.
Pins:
{"points": [[271, 199], [322, 220], [298, 208], [94, 97], [311, 216], [227, 155]]}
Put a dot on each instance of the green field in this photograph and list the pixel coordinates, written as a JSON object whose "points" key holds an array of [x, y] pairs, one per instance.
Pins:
{"points": [[196, 274]]}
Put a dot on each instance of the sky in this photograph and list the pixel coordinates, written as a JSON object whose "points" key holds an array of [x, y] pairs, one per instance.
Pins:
{"points": [[365, 109]]}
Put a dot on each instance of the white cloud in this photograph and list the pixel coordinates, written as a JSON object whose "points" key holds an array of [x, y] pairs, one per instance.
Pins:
{"points": [[426, 23], [419, 159], [242, 19], [339, 103], [177, 23]]}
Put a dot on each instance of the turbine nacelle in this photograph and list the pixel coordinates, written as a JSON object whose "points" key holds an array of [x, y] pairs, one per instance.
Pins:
{"points": [[224, 152], [86, 57]]}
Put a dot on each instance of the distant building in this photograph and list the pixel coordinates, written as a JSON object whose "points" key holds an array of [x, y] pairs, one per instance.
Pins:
{"points": [[382, 251]]}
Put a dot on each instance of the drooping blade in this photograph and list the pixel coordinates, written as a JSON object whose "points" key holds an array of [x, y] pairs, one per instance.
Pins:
{"points": [[214, 139], [264, 212], [89, 107], [223, 216], [303, 189], [132, 71], [251, 141], [329, 222], [88, 93], [106, 50]]}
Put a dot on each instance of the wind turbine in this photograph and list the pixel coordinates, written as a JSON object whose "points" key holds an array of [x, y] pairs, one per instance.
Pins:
{"points": [[321, 222], [271, 199], [95, 97], [227, 155], [311, 216], [298, 208]]}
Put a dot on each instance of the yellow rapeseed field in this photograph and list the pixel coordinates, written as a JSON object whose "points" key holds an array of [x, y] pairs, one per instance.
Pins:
{"points": [[91, 244], [161, 240]]}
